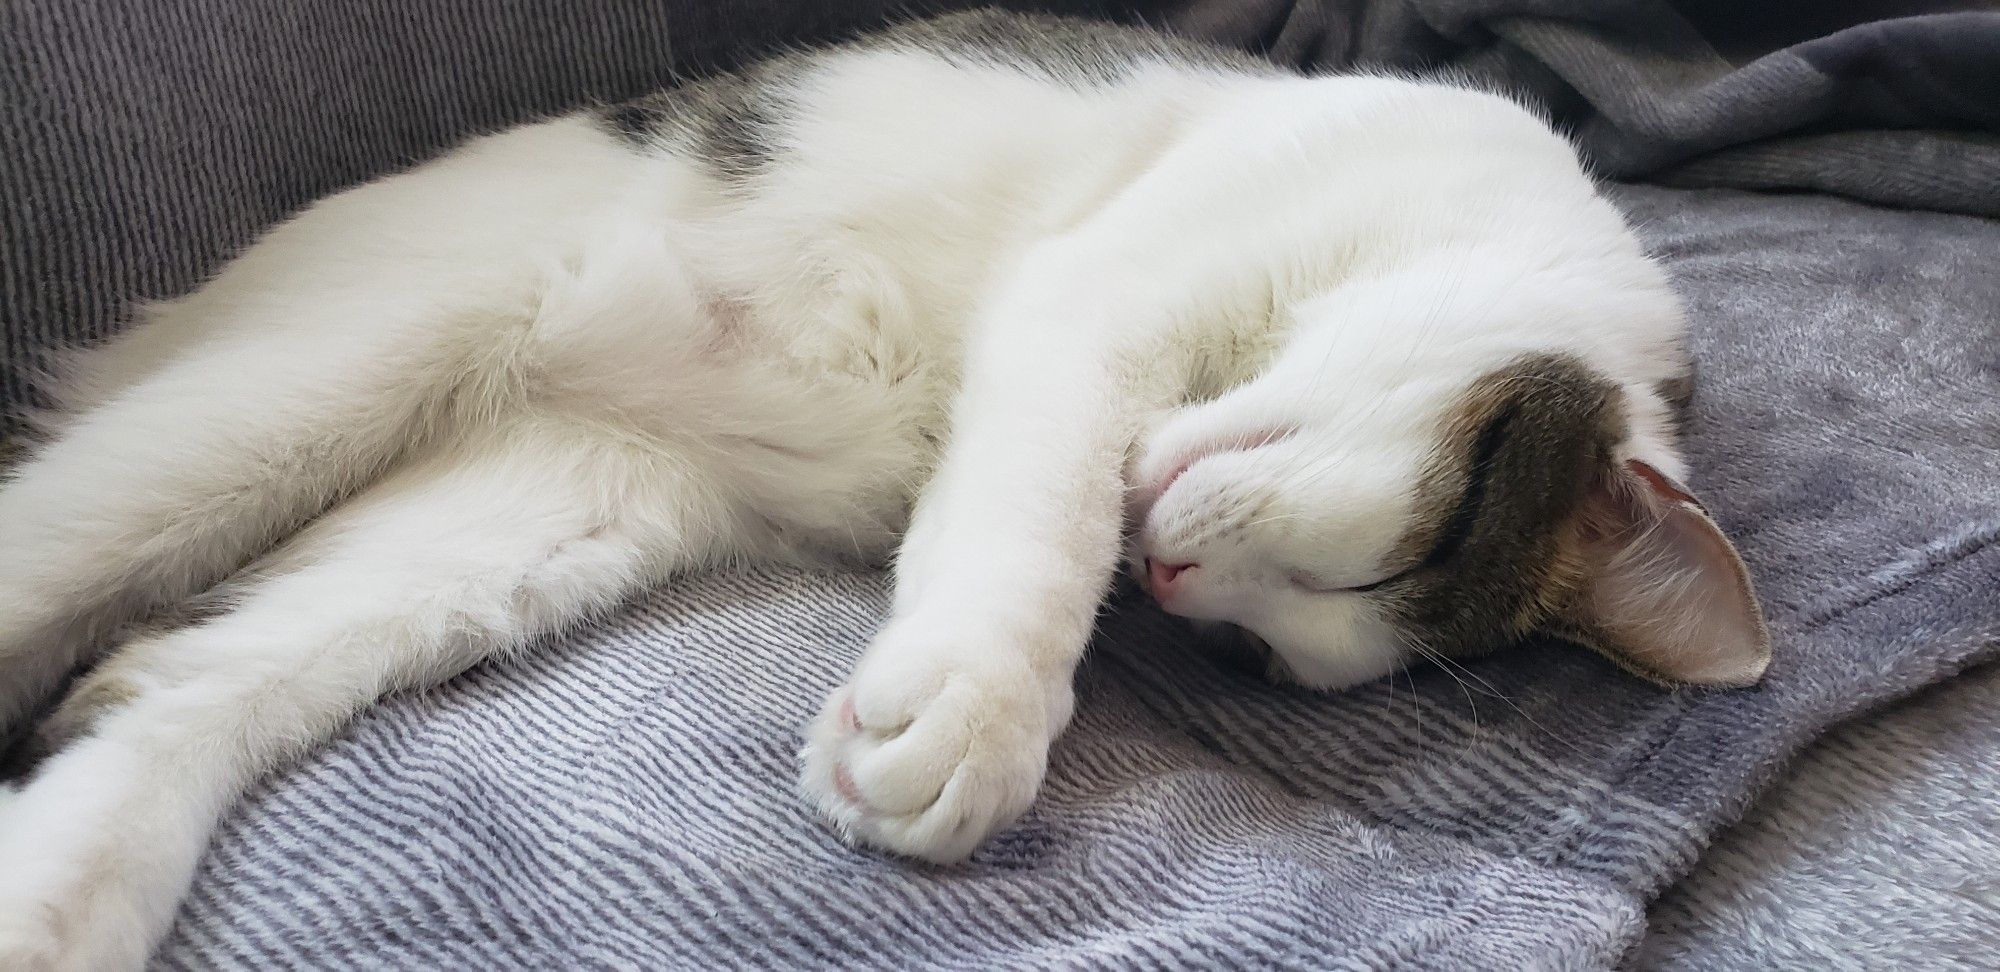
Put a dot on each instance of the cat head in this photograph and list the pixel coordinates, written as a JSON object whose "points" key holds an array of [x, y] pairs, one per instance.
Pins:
{"points": [[1365, 504]]}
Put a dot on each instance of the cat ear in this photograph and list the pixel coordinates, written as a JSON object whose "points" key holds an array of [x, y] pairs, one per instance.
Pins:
{"points": [[1664, 593]]}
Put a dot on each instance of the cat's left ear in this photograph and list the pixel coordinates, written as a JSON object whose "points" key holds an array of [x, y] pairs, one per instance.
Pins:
{"points": [[1664, 592]]}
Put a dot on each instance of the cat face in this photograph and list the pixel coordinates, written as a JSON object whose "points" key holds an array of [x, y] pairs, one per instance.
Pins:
{"points": [[1352, 523]]}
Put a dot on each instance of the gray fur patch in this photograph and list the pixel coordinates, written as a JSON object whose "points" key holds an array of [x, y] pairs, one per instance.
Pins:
{"points": [[1489, 558], [1068, 50], [724, 121], [732, 122], [1678, 393]]}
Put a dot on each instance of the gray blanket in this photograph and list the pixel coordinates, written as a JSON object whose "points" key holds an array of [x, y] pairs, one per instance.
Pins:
{"points": [[623, 797], [1893, 101], [1879, 850]]}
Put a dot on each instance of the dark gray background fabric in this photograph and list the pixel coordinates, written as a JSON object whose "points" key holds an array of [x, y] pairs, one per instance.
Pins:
{"points": [[146, 140], [625, 795], [1893, 101]]}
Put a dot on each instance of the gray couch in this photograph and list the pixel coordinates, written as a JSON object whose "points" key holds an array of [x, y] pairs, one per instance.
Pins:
{"points": [[1819, 188]]}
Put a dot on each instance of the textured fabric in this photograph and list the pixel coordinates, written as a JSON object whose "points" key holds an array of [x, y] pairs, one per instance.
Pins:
{"points": [[622, 798], [1893, 101], [1880, 850]]}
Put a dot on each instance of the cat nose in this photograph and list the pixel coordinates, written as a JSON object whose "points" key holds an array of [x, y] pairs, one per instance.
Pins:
{"points": [[1160, 576]]}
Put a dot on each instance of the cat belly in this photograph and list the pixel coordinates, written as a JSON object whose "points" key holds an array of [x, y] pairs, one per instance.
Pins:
{"points": [[815, 429]]}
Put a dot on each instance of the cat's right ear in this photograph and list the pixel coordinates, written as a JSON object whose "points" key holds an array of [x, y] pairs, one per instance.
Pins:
{"points": [[1665, 594]]}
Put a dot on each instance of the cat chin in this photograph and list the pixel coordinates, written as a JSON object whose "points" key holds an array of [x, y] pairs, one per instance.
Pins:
{"points": [[1241, 651]]}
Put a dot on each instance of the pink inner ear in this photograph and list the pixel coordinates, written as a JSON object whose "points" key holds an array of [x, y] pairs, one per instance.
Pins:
{"points": [[1658, 480], [1667, 593]]}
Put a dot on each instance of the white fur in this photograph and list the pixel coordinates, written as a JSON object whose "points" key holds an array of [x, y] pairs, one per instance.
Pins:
{"points": [[471, 403]]}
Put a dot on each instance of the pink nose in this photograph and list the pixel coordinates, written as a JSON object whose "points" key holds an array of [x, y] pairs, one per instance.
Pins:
{"points": [[1160, 576]]}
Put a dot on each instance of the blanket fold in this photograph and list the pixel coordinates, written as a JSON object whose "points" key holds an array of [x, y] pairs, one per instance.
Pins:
{"points": [[1896, 102]]}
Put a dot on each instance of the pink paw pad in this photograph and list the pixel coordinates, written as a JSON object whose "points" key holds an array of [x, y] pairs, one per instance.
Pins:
{"points": [[844, 782]]}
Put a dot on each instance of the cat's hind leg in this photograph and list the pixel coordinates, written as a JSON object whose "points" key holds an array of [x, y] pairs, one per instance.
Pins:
{"points": [[201, 437], [441, 563], [175, 482]]}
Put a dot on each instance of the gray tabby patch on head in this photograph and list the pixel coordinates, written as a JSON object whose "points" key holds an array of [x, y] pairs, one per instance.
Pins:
{"points": [[1490, 555], [1528, 522], [1678, 393]]}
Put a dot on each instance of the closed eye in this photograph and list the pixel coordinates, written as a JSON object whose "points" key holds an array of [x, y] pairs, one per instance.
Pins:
{"points": [[1456, 529], [1314, 585]]}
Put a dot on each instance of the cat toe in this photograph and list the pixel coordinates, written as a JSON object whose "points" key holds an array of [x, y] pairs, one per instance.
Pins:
{"points": [[926, 774]]}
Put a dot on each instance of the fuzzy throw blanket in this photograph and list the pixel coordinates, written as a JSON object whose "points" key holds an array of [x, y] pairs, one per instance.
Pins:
{"points": [[622, 798]]}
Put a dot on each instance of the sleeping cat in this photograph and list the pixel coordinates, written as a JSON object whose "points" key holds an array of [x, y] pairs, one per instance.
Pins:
{"points": [[1361, 367]]}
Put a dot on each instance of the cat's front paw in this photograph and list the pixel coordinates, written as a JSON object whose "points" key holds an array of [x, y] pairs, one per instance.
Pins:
{"points": [[936, 743]]}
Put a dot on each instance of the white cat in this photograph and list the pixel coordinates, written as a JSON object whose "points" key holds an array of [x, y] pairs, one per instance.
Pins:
{"points": [[1360, 365]]}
